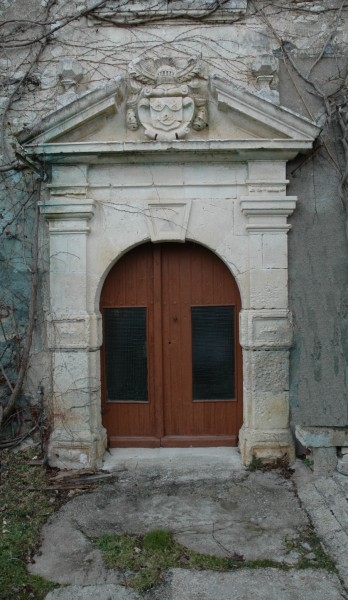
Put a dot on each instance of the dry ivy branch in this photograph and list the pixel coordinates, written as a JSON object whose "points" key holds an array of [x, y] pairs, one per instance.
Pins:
{"points": [[28, 43], [342, 116], [334, 104], [17, 388]]}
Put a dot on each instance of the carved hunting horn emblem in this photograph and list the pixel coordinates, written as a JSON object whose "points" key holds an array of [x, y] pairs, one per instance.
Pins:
{"points": [[167, 98]]}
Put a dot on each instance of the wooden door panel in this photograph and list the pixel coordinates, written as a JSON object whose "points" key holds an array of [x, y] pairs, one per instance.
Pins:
{"points": [[130, 284], [176, 294], [193, 276], [168, 280]]}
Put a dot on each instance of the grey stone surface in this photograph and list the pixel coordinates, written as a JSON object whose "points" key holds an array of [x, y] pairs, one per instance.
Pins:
{"points": [[326, 502], [342, 465], [318, 437], [265, 584], [180, 584], [231, 510], [93, 592], [318, 294], [248, 513], [324, 461]]}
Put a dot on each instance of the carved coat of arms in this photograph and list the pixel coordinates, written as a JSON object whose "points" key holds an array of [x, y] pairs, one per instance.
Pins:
{"points": [[167, 99]]}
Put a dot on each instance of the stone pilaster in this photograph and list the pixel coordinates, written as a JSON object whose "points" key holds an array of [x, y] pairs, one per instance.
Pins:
{"points": [[265, 324], [78, 439]]}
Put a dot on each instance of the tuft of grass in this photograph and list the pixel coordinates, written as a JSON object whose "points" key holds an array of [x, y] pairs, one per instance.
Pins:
{"points": [[24, 507], [309, 463], [265, 563], [119, 550], [146, 557], [256, 464], [321, 561], [158, 540], [280, 464]]}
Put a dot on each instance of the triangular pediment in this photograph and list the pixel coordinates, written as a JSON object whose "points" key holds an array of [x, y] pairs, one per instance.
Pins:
{"points": [[237, 118]]}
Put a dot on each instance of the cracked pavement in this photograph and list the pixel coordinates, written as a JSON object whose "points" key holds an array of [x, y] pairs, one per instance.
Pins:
{"points": [[212, 505]]}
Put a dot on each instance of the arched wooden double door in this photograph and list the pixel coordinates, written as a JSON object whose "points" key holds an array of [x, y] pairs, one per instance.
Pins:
{"points": [[171, 362]]}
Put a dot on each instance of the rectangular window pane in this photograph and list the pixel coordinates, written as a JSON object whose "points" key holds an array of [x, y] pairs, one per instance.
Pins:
{"points": [[125, 353], [213, 352]]}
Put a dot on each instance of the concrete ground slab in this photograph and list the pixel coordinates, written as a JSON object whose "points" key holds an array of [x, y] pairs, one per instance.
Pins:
{"points": [[264, 584], [180, 584], [326, 502], [93, 592], [212, 504], [252, 514]]}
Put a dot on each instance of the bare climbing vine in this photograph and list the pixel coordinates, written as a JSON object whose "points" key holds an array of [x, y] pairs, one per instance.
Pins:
{"points": [[334, 103]]}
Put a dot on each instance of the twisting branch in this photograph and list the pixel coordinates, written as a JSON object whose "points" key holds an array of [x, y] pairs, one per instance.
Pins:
{"points": [[330, 36], [342, 113], [16, 389], [330, 106], [3, 137], [10, 167], [44, 37]]}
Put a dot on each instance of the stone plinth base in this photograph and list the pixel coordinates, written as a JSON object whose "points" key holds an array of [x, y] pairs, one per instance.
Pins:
{"points": [[267, 445], [322, 437], [324, 461], [323, 443], [342, 464], [81, 451]]}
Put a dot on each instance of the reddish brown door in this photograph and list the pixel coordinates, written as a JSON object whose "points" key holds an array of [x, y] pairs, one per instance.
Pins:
{"points": [[171, 362]]}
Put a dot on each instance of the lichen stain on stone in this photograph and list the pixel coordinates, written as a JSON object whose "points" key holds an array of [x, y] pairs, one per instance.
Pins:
{"points": [[316, 354]]}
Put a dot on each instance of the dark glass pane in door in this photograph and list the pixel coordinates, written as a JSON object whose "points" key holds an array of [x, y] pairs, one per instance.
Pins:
{"points": [[213, 352], [125, 354]]}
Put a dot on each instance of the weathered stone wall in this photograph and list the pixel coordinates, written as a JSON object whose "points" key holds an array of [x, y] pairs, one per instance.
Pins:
{"points": [[305, 31], [318, 287]]}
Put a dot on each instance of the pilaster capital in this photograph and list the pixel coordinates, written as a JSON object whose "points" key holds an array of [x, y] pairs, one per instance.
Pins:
{"points": [[267, 213], [263, 205], [68, 215]]}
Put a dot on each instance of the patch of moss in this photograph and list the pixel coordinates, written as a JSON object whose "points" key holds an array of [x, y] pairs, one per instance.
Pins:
{"points": [[144, 558], [309, 463], [149, 555], [256, 464], [308, 543], [280, 464]]}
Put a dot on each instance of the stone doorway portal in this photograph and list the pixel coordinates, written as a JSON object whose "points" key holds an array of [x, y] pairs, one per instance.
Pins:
{"points": [[113, 188]]}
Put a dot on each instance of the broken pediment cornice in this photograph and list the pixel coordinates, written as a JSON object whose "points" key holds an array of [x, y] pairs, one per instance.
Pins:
{"points": [[289, 124], [105, 98], [152, 12]]}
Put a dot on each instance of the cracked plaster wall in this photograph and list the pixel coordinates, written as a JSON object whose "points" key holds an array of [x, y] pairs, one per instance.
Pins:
{"points": [[318, 289]]}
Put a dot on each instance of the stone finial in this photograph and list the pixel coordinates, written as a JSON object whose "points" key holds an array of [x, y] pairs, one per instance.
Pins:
{"points": [[70, 72], [264, 69]]}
